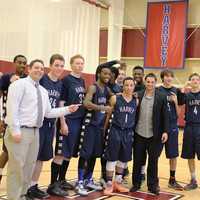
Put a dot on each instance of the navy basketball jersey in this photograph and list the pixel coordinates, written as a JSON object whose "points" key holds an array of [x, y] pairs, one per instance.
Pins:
{"points": [[73, 92], [170, 105], [100, 98], [124, 112], [54, 91], [192, 109]]}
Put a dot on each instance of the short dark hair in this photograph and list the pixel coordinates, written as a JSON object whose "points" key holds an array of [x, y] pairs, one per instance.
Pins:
{"points": [[75, 57], [150, 75], [127, 79], [138, 67], [56, 57], [100, 68], [34, 61], [115, 71], [166, 72], [193, 74], [19, 56]]}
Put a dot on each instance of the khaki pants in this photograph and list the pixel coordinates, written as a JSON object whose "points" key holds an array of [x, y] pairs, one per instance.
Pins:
{"points": [[22, 158]]}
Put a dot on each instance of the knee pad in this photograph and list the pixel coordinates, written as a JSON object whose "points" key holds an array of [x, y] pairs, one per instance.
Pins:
{"points": [[121, 164], [110, 166]]}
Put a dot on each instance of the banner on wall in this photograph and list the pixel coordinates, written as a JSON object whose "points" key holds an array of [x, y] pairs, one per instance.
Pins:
{"points": [[166, 34]]}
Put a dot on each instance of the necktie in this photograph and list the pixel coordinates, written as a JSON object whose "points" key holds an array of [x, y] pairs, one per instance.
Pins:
{"points": [[39, 106]]}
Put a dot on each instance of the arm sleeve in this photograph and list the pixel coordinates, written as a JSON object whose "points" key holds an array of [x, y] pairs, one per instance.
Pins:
{"points": [[55, 112], [110, 63]]}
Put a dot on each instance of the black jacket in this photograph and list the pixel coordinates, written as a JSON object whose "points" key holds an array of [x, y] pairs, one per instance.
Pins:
{"points": [[160, 113]]}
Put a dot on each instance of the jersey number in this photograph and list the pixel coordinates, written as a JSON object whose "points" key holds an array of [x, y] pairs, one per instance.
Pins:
{"points": [[126, 119], [81, 97], [53, 102], [195, 110]]}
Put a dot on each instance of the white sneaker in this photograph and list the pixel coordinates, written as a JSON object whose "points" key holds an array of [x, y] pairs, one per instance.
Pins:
{"points": [[93, 186], [80, 189]]}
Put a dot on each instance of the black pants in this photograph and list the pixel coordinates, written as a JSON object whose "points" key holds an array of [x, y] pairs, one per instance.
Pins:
{"points": [[153, 149]]}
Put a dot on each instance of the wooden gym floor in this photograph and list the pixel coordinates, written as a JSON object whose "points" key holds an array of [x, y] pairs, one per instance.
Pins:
{"points": [[182, 176]]}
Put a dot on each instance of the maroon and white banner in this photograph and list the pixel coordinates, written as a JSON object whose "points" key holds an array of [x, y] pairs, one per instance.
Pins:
{"points": [[166, 34]]}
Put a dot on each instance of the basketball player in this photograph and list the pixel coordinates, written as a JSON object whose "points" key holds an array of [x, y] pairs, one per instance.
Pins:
{"points": [[138, 75], [119, 149], [95, 102], [171, 146], [115, 88], [191, 136]]}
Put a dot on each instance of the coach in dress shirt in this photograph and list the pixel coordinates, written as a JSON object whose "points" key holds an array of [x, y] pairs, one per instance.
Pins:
{"points": [[27, 102]]}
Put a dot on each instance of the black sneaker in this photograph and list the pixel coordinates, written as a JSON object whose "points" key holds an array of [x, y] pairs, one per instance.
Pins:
{"points": [[175, 185], [0, 178], [191, 186], [26, 197], [154, 190], [35, 192], [55, 190], [66, 185], [135, 188]]}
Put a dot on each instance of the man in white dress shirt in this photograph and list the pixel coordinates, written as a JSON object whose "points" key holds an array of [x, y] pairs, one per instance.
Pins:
{"points": [[27, 105]]}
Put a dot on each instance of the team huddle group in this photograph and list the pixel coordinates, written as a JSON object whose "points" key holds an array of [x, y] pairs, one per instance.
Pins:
{"points": [[116, 119]]}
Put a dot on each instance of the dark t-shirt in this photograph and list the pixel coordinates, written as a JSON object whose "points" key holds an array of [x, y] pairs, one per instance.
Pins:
{"points": [[139, 87]]}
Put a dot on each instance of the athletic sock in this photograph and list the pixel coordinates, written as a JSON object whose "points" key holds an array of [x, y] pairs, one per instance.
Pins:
{"points": [[1, 172], [143, 169], [90, 168], [63, 170], [103, 168], [33, 183], [118, 177], [109, 178], [172, 175], [80, 174], [193, 176], [81, 169], [55, 168]]}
